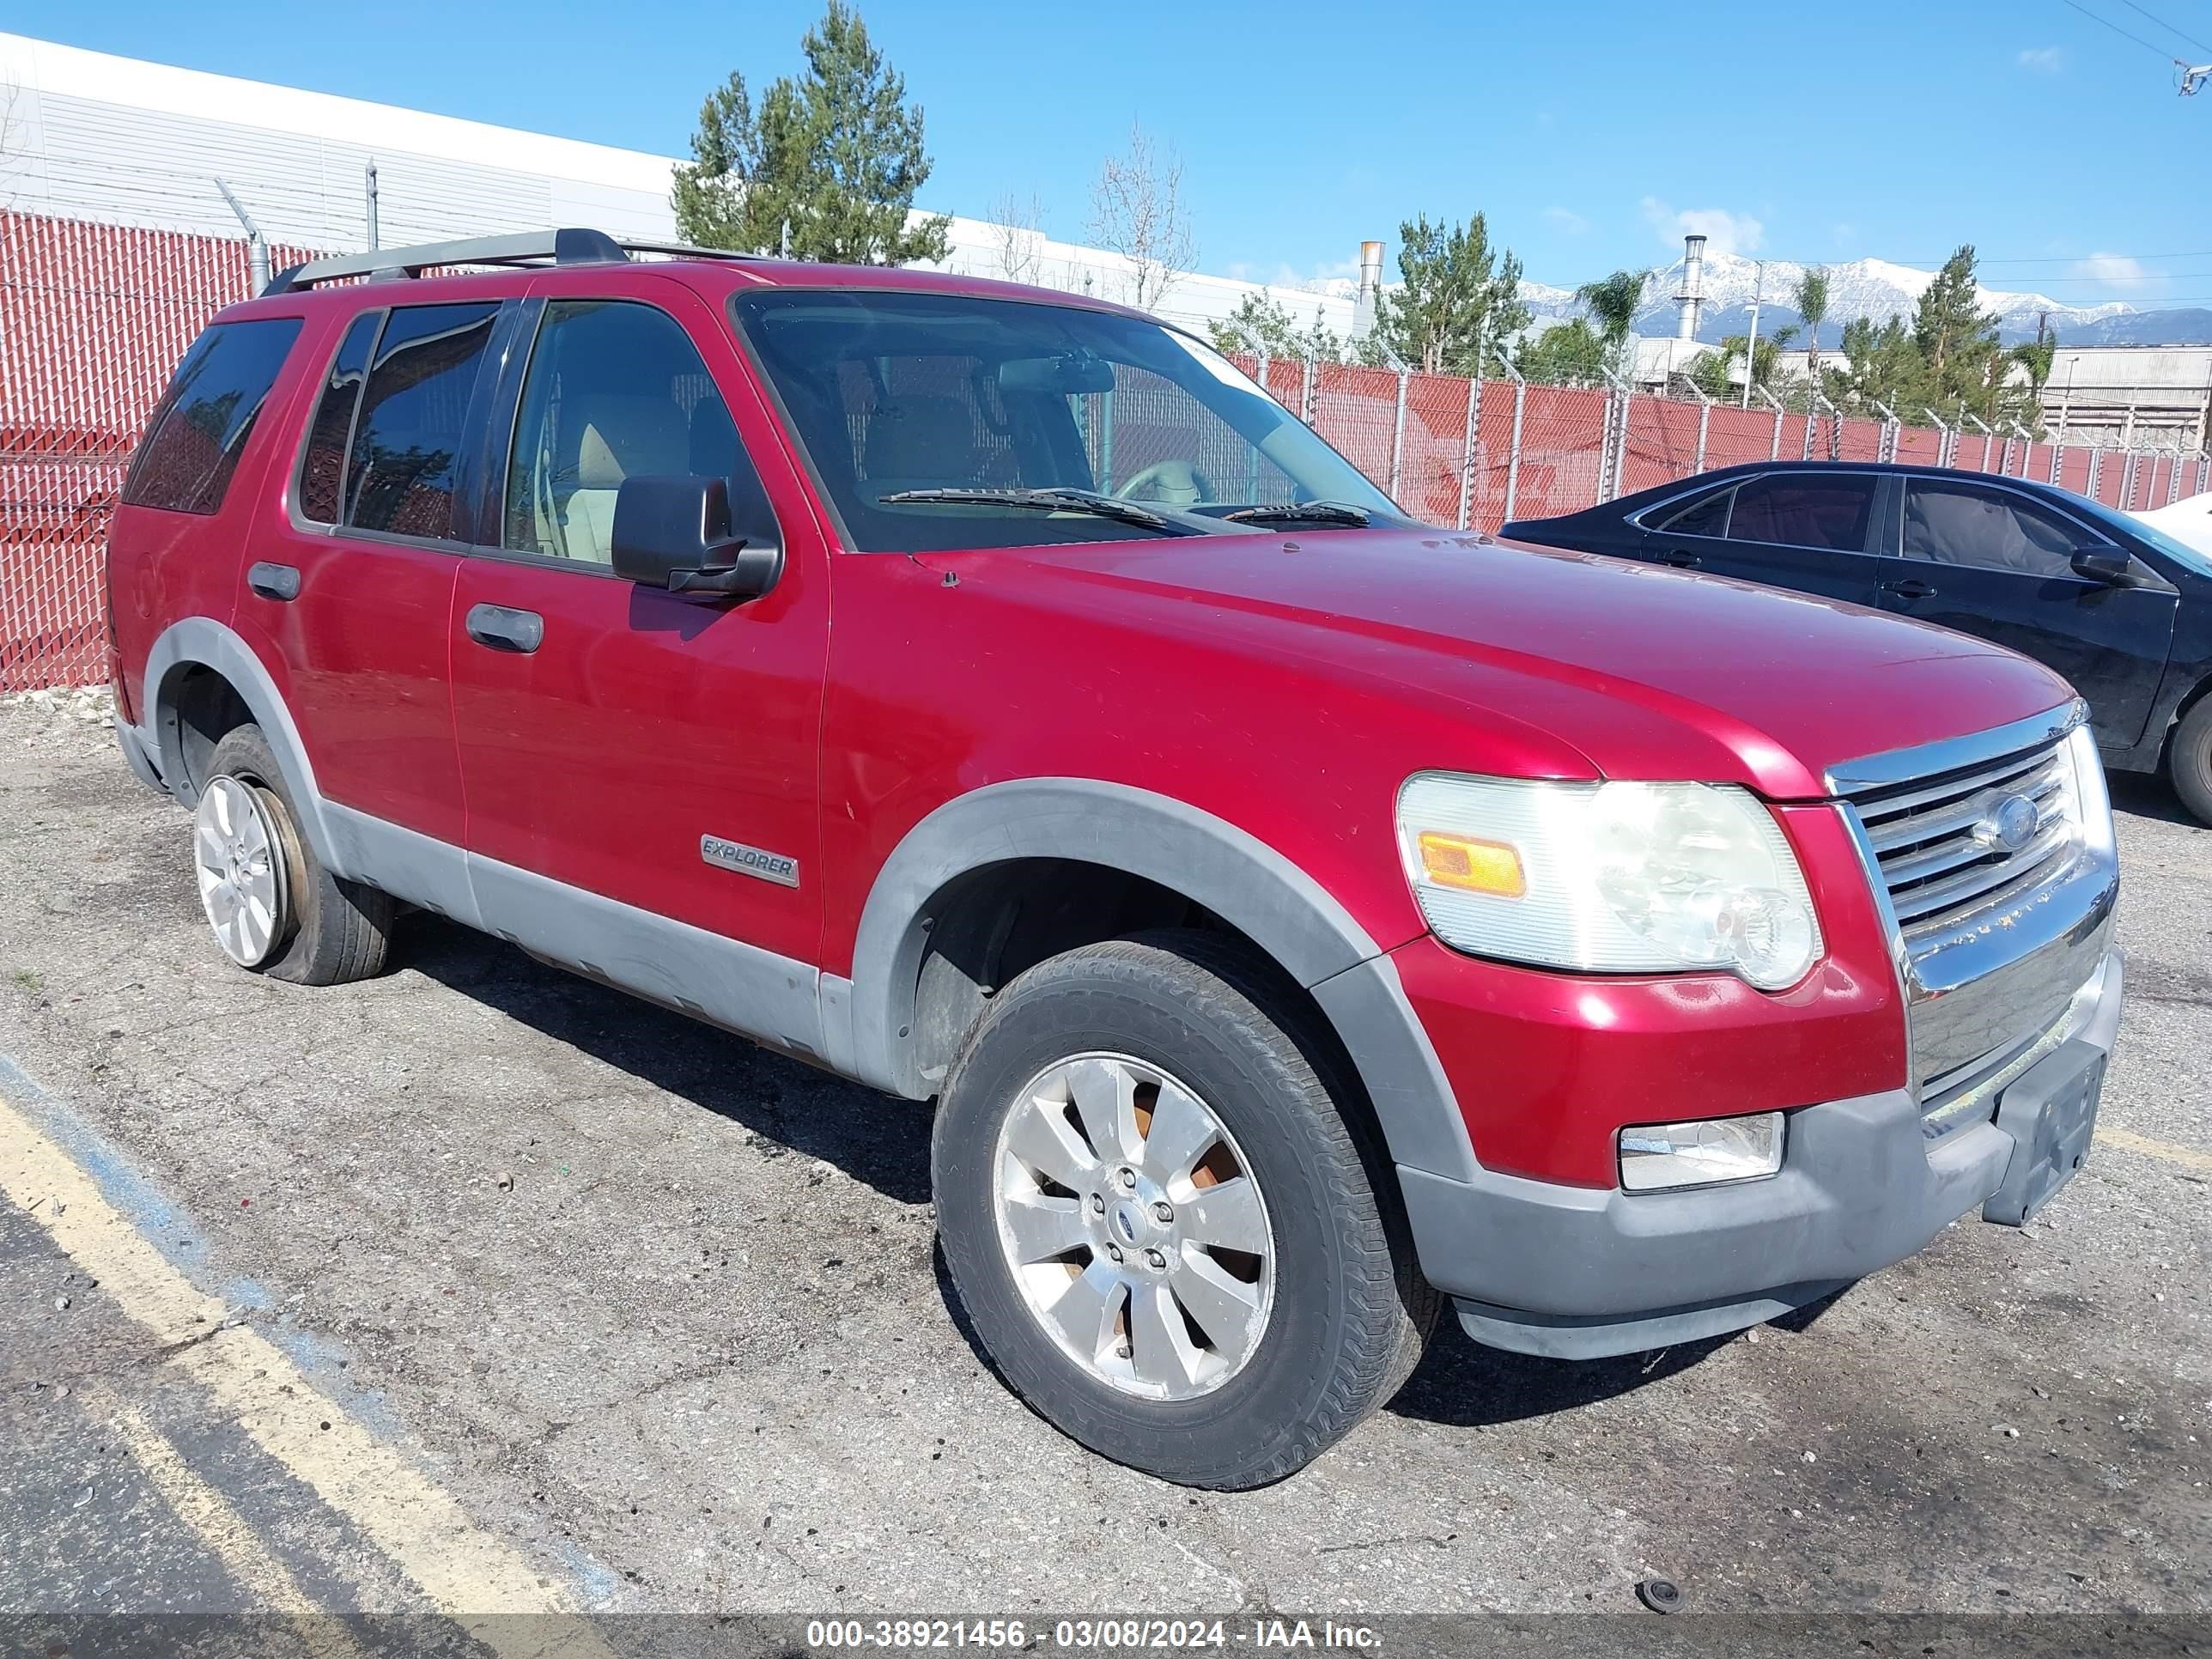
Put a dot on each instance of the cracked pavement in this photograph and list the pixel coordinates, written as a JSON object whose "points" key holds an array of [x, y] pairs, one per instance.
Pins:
{"points": [[662, 1313]]}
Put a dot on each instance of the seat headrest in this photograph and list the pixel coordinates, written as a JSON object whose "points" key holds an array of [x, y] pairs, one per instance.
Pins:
{"points": [[631, 438], [921, 438]]}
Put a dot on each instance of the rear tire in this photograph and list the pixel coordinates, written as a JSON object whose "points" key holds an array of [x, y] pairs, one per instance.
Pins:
{"points": [[1225, 1366], [2188, 760], [322, 929]]}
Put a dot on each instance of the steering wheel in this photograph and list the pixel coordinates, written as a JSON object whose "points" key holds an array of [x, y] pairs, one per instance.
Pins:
{"points": [[1171, 484]]}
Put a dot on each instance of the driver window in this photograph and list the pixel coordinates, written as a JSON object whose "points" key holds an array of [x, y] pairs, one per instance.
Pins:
{"points": [[1962, 524], [615, 390]]}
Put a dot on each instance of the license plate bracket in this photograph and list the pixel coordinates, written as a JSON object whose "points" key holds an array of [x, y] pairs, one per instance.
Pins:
{"points": [[2051, 1112]]}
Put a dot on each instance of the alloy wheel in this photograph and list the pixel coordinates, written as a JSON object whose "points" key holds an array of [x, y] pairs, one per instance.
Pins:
{"points": [[1134, 1226], [240, 866]]}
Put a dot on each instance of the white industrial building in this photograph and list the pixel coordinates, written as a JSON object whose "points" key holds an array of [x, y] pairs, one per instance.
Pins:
{"points": [[119, 141]]}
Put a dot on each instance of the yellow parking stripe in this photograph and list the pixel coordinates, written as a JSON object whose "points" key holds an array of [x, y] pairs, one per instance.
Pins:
{"points": [[248, 1560], [466, 1574], [2189, 1157]]}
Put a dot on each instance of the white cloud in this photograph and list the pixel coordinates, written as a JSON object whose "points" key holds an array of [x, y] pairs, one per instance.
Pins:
{"points": [[1565, 219], [2121, 271], [1724, 232], [2041, 60]]}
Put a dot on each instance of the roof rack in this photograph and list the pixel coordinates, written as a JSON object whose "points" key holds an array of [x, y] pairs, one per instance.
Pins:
{"points": [[569, 246]]}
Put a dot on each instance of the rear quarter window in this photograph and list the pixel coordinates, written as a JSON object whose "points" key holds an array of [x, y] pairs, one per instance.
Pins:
{"points": [[201, 426]]}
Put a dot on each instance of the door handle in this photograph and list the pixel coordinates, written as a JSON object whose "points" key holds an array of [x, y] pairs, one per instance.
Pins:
{"points": [[1911, 588], [1681, 558], [274, 581], [503, 629]]}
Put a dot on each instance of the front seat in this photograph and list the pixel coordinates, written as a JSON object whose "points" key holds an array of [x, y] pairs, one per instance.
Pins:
{"points": [[622, 438]]}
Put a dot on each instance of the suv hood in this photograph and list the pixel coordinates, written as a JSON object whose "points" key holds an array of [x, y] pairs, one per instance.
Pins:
{"points": [[1640, 670]]}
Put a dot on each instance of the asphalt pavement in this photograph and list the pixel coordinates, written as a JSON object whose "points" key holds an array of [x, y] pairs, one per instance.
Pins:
{"points": [[601, 1311]]}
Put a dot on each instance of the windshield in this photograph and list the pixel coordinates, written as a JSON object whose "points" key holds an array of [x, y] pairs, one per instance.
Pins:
{"points": [[2127, 523], [949, 401]]}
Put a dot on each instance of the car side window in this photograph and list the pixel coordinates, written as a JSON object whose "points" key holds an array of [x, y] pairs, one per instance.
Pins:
{"points": [[1706, 517], [401, 473], [193, 444], [322, 467], [1804, 509], [1964, 524], [615, 389]]}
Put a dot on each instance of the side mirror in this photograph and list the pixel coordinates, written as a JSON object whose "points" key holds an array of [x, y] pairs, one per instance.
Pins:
{"points": [[2109, 565], [675, 533]]}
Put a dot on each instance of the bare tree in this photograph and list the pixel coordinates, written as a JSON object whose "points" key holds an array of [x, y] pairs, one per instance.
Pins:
{"points": [[10, 164], [1017, 227], [1137, 209]]}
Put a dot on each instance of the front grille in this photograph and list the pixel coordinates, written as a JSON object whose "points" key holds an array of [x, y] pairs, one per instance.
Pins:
{"points": [[1939, 871], [1997, 943]]}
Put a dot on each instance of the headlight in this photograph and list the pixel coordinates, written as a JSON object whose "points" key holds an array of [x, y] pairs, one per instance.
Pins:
{"points": [[2092, 806], [1608, 878]]}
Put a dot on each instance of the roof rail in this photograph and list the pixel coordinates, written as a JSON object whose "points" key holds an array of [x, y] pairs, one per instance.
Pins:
{"points": [[569, 246]]}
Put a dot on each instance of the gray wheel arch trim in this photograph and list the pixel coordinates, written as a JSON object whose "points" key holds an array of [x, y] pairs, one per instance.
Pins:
{"points": [[1232, 872], [203, 642]]}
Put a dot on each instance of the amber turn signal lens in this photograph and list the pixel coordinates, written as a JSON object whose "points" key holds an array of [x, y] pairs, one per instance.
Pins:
{"points": [[1474, 867]]}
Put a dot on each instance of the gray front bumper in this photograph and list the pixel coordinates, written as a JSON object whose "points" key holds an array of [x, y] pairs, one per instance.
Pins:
{"points": [[1578, 1273]]}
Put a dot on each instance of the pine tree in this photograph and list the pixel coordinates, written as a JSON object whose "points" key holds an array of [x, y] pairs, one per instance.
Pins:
{"points": [[1454, 291], [1956, 339], [827, 167]]}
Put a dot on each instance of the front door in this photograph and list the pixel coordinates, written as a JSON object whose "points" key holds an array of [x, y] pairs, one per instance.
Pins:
{"points": [[1992, 562], [641, 767]]}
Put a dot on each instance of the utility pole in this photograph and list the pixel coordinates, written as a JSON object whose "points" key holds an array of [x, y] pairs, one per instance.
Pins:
{"points": [[1751, 346], [370, 205], [2192, 77]]}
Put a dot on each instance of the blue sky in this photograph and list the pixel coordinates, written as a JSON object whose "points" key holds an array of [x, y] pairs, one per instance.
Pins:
{"points": [[1591, 134]]}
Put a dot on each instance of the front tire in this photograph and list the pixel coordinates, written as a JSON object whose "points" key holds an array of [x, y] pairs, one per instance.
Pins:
{"points": [[2188, 760], [1161, 1222], [274, 908]]}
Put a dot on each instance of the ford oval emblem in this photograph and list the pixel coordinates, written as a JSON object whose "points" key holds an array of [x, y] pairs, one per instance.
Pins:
{"points": [[2008, 825]]}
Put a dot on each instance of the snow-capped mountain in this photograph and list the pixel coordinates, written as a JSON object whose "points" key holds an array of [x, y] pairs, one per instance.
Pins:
{"points": [[1865, 288]]}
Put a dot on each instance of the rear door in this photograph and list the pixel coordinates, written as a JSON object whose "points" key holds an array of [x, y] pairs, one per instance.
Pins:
{"points": [[1991, 561], [352, 590], [1811, 531]]}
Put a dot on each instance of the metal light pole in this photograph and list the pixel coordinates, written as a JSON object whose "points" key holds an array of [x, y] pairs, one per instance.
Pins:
{"points": [[369, 177], [1751, 346]]}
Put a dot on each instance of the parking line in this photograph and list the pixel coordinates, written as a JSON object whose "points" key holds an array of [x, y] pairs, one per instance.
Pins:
{"points": [[2190, 1158], [467, 1575], [225, 1532]]}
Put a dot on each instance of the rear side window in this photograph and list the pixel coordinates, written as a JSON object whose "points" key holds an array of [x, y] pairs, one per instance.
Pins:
{"points": [[1804, 510], [322, 470], [408, 439], [192, 445], [1709, 517]]}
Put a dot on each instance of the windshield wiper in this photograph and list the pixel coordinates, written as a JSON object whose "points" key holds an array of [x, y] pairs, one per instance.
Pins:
{"points": [[1047, 501], [1301, 513]]}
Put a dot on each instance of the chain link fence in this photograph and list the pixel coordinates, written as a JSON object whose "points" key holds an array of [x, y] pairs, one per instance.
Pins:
{"points": [[94, 318]]}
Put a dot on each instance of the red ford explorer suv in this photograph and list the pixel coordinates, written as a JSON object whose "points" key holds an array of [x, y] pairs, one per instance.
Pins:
{"points": [[1299, 916]]}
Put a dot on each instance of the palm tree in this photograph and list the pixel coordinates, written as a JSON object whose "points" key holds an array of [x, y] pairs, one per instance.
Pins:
{"points": [[1612, 303], [1813, 306]]}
